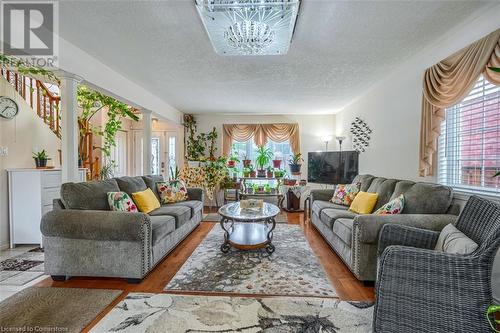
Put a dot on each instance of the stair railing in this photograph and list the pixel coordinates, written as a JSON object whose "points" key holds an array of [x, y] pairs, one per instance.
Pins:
{"points": [[38, 96]]}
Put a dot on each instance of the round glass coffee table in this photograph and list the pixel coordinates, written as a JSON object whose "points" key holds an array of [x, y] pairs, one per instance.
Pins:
{"points": [[248, 229]]}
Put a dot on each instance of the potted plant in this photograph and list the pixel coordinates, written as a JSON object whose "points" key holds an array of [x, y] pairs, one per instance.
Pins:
{"points": [[270, 172], [264, 156], [41, 158], [246, 172], [267, 188], [292, 182], [278, 173], [253, 173], [246, 162], [295, 163], [276, 164], [233, 160]]}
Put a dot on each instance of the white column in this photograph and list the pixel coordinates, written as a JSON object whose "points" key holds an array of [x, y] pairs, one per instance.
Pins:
{"points": [[69, 124], [146, 141]]}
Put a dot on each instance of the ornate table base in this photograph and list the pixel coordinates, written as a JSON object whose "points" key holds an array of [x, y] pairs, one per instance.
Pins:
{"points": [[248, 235]]}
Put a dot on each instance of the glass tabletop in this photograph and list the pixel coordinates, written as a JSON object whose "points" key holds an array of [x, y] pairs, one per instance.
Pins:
{"points": [[234, 212]]}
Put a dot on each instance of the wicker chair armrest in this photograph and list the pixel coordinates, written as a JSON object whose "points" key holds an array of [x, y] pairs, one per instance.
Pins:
{"points": [[435, 283], [395, 234]]}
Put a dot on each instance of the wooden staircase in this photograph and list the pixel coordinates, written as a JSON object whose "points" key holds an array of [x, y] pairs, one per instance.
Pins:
{"points": [[41, 99], [45, 101]]}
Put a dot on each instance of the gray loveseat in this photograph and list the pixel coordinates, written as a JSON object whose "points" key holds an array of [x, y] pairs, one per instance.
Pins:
{"points": [[355, 237], [82, 237]]}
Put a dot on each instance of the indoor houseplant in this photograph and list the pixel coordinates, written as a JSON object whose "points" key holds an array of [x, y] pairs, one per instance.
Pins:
{"points": [[41, 158], [253, 173], [233, 160], [279, 173], [270, 172], [264, 156], [246, 172], [246, 162], [295, 163]]}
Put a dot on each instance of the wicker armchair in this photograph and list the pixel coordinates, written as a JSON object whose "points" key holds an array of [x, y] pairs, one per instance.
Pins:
{"points": [[422, 290]]}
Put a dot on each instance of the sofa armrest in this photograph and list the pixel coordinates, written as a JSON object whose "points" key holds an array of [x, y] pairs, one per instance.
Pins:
{"points": [[96, 225], [367, 227], [323, 195], [195, 193]]}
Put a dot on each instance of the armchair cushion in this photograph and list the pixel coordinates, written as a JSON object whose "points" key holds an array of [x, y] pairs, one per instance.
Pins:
{"points": [[329, 216], [452, 240], [88, 195], [369, 226], [94, 225]]}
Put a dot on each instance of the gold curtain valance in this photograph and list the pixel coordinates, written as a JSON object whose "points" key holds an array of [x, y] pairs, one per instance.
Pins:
{"points": [[260, 133], [447, 83]]}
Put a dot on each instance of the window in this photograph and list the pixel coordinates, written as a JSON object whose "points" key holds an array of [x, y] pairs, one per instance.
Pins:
{"points": [[155, 157], [469, 144], [171, 153], [281, 150]]}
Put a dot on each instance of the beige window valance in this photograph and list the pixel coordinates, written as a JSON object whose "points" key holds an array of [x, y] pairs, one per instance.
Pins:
{"points": [[447, 83], [260, 133]]}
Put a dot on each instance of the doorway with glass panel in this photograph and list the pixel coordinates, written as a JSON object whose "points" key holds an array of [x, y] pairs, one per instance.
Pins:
{"points": [[164, 155]]}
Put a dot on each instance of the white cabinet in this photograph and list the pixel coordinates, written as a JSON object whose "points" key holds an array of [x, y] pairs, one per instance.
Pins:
{"points": [[31, 192]]}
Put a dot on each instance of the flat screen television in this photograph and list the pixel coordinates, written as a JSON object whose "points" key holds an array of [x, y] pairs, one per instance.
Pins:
{"points": [[332, 167]]}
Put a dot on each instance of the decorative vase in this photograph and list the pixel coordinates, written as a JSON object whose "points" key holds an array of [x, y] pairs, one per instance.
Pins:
{"points": [[246, 163], [261, 173], [295, 168], [40, 163], [277, 164]]}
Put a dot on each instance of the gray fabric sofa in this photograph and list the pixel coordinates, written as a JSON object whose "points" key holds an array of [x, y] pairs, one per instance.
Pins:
{"points": [[355, 237], [82, 237]]}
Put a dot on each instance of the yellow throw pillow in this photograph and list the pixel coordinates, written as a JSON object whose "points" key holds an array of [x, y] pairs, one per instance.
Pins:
{"points": [[146, 201], [364, 203]]}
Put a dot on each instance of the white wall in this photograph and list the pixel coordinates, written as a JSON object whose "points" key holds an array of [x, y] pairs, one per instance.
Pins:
{"points": [[311, 128], [21, 135], [392, 107]]}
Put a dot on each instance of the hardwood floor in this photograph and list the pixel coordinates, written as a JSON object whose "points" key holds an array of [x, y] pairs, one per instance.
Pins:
{"points": [[347, 286]]}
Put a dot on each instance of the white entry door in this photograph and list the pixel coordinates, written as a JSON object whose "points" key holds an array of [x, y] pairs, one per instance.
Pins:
{"points": [[163, 153]]}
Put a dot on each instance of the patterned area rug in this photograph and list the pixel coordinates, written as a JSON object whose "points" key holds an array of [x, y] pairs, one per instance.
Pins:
{"points": [[23, 268], [214, 217], [172, 313], [291, 270], [53, 309]]}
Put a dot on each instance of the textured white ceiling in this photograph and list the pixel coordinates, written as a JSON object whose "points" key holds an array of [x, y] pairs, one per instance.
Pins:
{"points": [[339, 49]]}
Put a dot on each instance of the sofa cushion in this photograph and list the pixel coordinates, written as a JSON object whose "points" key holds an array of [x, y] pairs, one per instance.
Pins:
{"points": [[151, 181], [146, 201], [384, 189], [131, 184], [427, 198], [182, 214], [161, 226], [319, 205], [88, 195], [364, 203], [172, 191], [194, 205], [121, 202], [343, 229], [345, 193], [329, 216], [364, 180], [395, 206]]}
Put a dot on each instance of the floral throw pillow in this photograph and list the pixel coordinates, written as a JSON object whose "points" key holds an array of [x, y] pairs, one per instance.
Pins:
{"points": [[172, 191], [395, 206], [345, 194], [121, 202]]}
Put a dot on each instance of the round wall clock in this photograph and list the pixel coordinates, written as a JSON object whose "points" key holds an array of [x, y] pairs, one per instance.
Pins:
{"points": [[8, 108]]}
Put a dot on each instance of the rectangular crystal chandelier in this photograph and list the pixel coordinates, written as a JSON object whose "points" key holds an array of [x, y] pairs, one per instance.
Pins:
{"points": [[249, 27]]}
